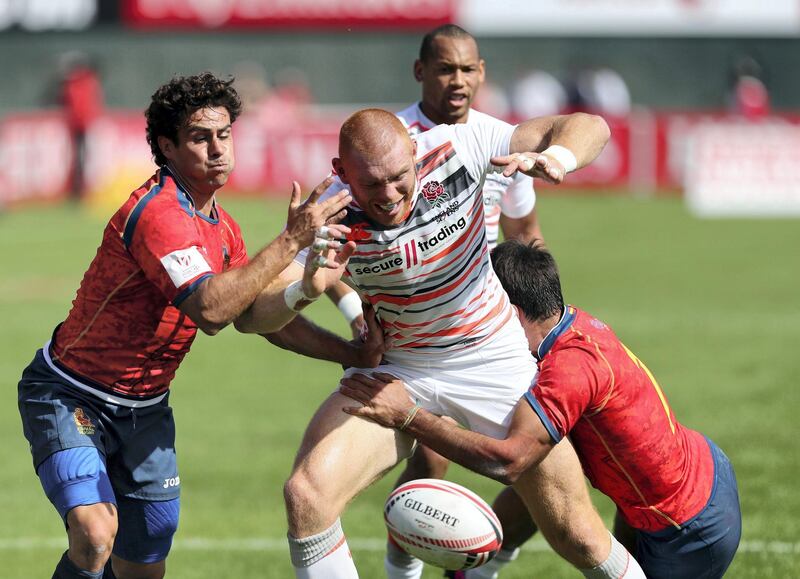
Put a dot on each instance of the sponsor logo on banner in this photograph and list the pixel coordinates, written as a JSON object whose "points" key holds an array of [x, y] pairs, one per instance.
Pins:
{"points": [[288, 13], [184, 265]]}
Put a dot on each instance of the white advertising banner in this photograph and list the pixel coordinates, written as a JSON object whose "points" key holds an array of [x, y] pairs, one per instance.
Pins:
{"points": [[631, 17], [743, 170]]}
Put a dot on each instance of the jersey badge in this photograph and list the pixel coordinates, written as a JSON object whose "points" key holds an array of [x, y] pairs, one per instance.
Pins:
{"points": [[83, 422], [435, 194], [357, 233]]}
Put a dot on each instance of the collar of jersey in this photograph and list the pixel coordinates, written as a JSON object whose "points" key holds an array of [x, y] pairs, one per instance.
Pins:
{"points": [[186, 201], [567, 317]]}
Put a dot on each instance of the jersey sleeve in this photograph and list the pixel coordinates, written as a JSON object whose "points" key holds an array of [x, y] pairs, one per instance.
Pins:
{"points": [[567, 386], [480, 142], [168, 248], [520, 198]]}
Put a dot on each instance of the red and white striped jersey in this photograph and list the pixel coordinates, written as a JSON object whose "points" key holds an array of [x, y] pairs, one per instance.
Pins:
{"points": [[430, 279], [512, 196]]}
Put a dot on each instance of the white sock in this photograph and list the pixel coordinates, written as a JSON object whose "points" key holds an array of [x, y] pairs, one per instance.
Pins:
{"points": [[401, 565], [323, 556], [619, 565], [491, 569]]}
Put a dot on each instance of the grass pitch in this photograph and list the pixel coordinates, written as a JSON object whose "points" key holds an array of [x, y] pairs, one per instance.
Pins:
{"points": [[711, 306]]}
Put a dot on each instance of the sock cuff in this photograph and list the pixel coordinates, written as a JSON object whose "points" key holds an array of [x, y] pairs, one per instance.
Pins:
{"points": [[614, 566], [309, 550]]}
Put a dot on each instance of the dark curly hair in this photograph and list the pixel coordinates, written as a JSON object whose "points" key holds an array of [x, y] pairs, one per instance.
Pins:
{"points": [[175, 102]]}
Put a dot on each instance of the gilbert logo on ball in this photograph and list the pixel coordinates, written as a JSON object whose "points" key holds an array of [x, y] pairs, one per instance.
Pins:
{"points": [[443, 523]]}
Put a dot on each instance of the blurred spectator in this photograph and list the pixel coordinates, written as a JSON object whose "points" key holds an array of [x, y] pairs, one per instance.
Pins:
{"points": [[536, 94], [598, 90], [748, 92], [251, 84], [81, 96]]}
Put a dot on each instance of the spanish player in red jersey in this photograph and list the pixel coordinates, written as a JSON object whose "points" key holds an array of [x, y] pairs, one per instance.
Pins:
{"points": [[675, 489], [94, 401]]}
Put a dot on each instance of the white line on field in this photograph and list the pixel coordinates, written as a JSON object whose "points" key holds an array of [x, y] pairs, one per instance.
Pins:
{"points": [[356, 544]]}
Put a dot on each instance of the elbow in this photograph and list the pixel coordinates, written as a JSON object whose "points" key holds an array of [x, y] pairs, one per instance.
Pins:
{"points": [[210, 328], [512, 463]]}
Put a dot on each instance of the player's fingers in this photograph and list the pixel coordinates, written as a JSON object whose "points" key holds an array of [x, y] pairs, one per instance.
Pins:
{"points": [[502, 160], [337, 230], [337, 218], [384, 377], [294, 202], [345, 253], [320, 244], [320, 189], [336, 203]]}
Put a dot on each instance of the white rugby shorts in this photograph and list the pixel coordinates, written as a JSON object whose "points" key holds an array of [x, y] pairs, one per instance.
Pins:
{"points": [[478, 387]]}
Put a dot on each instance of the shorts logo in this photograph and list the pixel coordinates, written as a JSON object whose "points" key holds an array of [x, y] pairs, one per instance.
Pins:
{"points": [[434, 192], [83, 422]]}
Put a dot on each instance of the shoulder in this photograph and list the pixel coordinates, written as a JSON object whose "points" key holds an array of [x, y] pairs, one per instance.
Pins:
{"points": [[413, 120]]}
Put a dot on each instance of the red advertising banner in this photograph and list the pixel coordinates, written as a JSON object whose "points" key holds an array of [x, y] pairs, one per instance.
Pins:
{"points": [[395, 14]]}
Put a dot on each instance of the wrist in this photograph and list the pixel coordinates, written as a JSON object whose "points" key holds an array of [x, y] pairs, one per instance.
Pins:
{"points": [[562, 155], [410, 416], [290, 241], [295, 298], [350, 306]]}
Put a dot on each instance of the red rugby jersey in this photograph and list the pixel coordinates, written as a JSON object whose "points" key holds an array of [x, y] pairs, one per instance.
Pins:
{"points": [[124, 332], [592, 388]]}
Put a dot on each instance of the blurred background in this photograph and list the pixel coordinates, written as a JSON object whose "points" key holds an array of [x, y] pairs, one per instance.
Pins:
{"points": [[682, 236], [674, 78]]}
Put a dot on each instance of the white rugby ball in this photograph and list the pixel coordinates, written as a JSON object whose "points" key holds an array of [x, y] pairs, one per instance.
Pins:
{"points": [[443, 523]]}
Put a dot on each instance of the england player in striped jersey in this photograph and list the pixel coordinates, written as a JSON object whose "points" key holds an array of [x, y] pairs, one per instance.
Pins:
{"points": [[421, 261]]}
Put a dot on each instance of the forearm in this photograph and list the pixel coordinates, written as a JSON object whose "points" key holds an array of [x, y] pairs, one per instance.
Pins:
{"points": [[583, 134], [306, 338], [488, 456], [224, 297]]}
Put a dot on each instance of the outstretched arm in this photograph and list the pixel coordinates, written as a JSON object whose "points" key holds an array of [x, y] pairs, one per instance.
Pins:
{"points": [[307, 339], [222, 298], [386, 401], [550, 147]]}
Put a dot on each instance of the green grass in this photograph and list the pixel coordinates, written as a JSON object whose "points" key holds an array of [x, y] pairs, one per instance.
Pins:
{"points": [[711, 306]]}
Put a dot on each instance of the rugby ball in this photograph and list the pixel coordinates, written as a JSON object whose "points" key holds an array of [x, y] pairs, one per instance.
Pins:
{"points": [[442, 523]]}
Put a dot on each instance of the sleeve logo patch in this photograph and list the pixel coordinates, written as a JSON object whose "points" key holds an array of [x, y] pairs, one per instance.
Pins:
{"points": [[184, 265]]}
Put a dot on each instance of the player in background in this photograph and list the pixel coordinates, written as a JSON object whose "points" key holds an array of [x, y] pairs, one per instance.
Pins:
{"points": [[94, 400], [675, 490], [422, 262]]}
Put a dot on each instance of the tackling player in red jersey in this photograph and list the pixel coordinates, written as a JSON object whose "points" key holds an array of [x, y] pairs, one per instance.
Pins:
{"points": [[675, 490], [95, 402]]}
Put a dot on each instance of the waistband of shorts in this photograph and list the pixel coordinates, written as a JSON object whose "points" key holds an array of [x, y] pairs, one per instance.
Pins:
{"points": [[103, 395]]}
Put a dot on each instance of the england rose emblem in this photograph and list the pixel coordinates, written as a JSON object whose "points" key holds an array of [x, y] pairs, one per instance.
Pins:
{"points": [[434, 192]]}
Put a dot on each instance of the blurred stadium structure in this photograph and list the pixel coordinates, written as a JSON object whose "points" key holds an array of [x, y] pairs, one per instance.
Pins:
{"points": [[303, 65]]}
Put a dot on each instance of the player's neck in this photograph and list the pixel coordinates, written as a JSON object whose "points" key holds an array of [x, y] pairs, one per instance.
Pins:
{"points": [[536, 332], [438, 119], [202, 197]]}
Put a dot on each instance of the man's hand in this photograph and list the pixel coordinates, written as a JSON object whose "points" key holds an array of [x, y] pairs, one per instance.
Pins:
{"points": [[326, 259], [370, 343], [532, 164], [384, 398], [306, 218]]}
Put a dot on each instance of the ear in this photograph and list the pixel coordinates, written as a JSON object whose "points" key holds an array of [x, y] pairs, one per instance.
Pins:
{"points": [[167, 147], [414, 147], [418, 70], [338, 169], [482, 70]]}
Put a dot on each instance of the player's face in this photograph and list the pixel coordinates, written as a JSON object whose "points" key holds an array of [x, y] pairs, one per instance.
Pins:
{"points": [[203, 155], [383, 185], [450, 79]]}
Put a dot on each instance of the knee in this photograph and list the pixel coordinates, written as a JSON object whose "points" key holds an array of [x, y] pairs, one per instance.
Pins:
{"points": [[582, 543], [92, 533], [304, 498]]}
